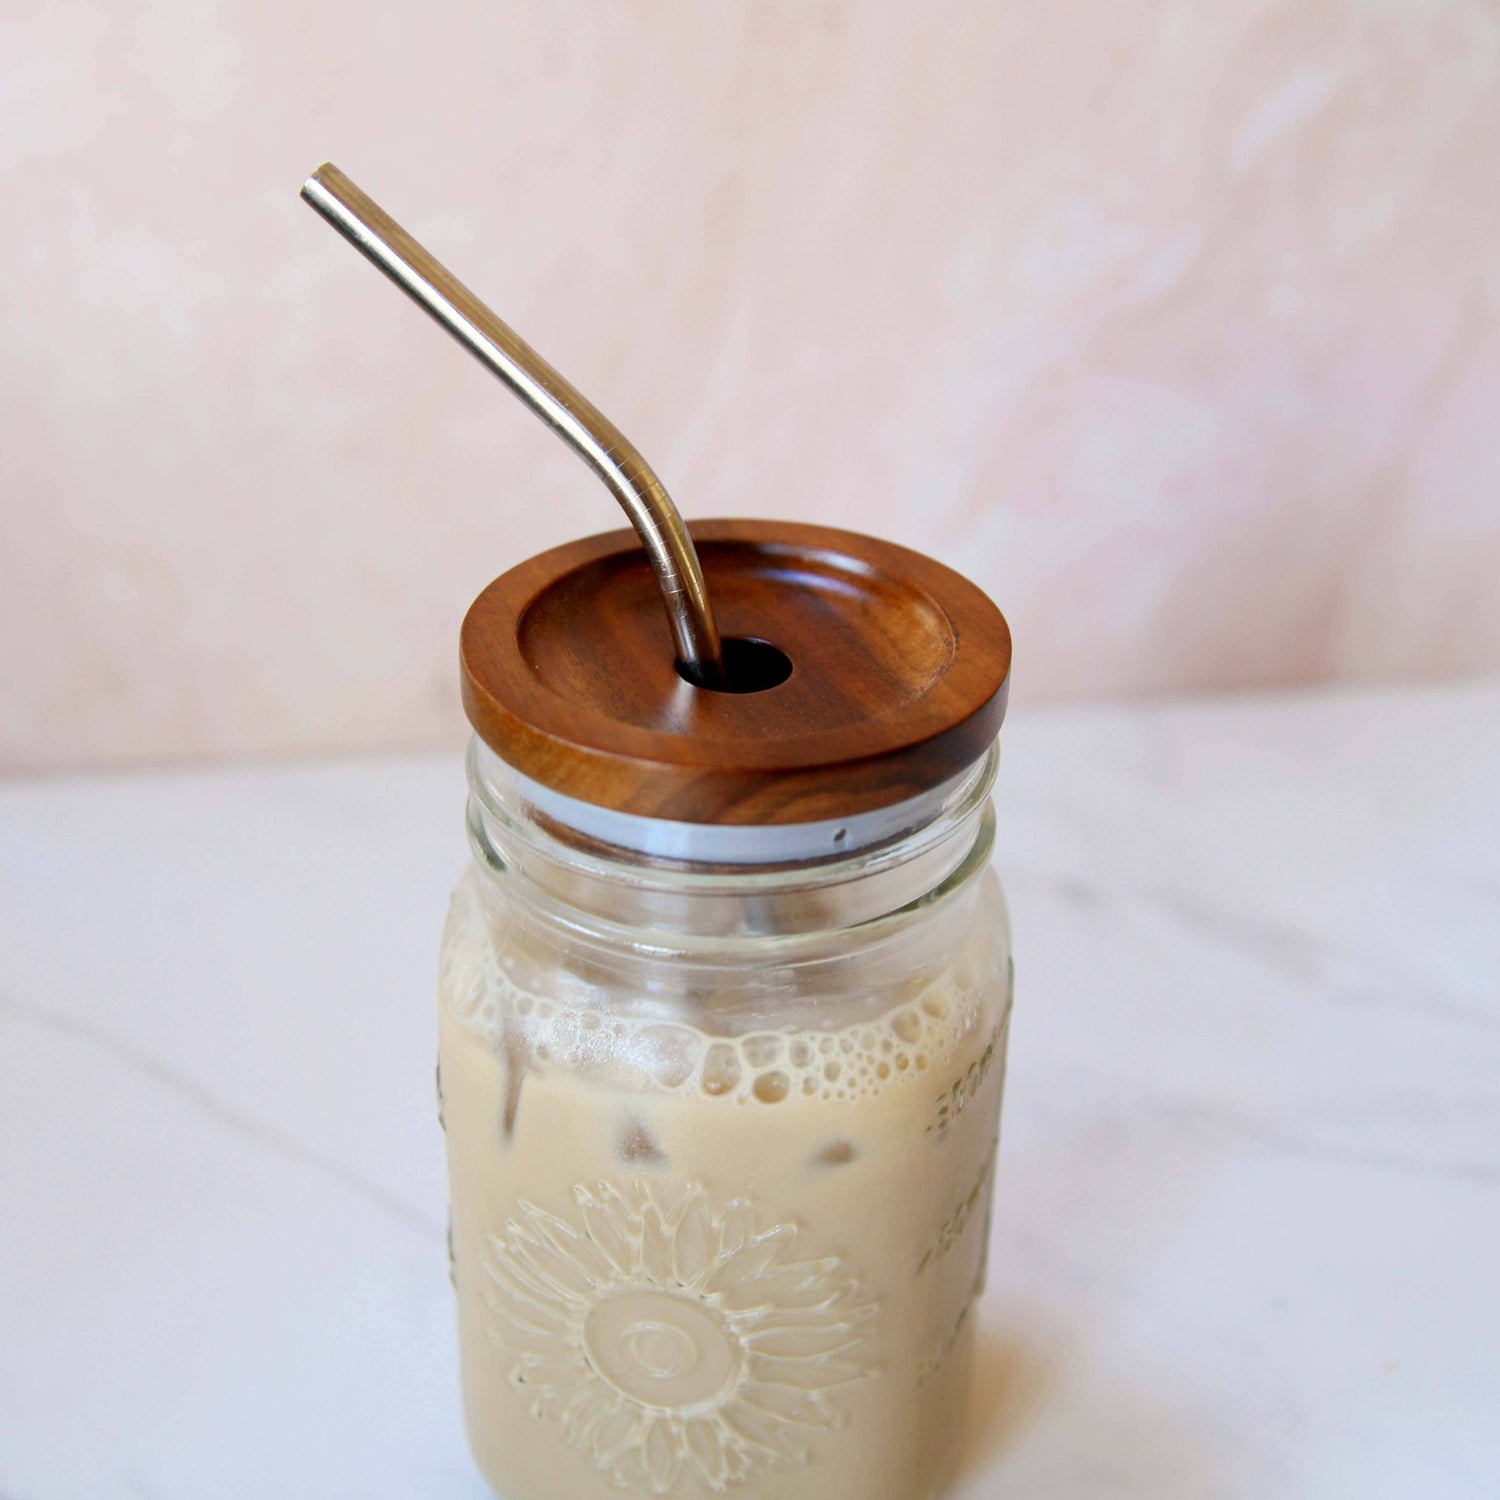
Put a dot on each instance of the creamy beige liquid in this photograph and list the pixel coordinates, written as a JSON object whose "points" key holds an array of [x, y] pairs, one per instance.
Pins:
{"points": [[689, 1263]]}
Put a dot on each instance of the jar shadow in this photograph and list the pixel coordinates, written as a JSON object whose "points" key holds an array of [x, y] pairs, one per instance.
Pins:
{"points": [[1014, 1381], [1056, 1407], [1097, 1436]]}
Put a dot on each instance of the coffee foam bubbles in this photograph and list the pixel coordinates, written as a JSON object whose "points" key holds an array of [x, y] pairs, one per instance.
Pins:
{"points": [[850, 1062]]}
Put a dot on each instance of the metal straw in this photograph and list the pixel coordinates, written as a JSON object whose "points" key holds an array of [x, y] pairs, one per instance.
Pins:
{"points": [[577, 420]]}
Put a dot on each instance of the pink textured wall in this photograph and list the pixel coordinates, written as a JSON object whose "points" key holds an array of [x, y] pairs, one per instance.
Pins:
{"points": [[1172, 324]]}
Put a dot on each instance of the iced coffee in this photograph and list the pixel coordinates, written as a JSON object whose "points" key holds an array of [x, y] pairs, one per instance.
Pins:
{"points": [[716, 1228]]}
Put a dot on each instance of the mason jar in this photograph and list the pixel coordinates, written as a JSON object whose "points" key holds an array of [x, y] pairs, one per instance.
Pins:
{"points": [[721, 1102], [724, 997]]}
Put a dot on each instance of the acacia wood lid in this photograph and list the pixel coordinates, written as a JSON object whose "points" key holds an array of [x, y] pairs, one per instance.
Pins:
{"points": [[899, 669]]}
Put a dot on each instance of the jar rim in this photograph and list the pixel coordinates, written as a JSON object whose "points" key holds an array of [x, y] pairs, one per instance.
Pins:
{"points": [[669, 843], [634, 891], [656, 940]]}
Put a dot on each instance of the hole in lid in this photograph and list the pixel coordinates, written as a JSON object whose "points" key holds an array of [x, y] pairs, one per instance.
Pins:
{"points": [[750, 666]]}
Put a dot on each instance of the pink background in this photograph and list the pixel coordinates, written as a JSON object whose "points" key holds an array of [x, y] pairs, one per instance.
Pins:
{"points": [[1171, 324]]}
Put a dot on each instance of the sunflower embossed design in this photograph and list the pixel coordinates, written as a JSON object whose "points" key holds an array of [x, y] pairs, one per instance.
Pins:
{"points": [[673, 1343]]}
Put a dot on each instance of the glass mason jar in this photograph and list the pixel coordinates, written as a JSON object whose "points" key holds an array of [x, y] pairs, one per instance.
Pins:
{"points": [[721, 1109]]}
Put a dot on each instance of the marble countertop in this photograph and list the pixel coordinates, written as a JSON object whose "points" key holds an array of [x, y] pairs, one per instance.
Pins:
{"points": [[1247, 1237]]}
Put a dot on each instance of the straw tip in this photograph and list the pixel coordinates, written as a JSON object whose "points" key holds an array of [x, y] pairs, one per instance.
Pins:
{"points": [[319, 178]]}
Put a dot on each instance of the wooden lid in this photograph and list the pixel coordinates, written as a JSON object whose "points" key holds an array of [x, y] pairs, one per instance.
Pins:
{"points": [[890, 674]]}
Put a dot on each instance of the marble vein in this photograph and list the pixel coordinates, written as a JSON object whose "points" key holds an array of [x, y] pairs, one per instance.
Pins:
{"points": [[258, 1132], [1293, 953], [1287, 1142], [1310, 958]]}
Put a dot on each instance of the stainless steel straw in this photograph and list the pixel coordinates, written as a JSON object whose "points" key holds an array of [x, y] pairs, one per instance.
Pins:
{"points": [[577, 420]]}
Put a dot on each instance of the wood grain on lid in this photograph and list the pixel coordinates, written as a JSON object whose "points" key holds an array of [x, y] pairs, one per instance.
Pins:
{"points": [[899, 671]]}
